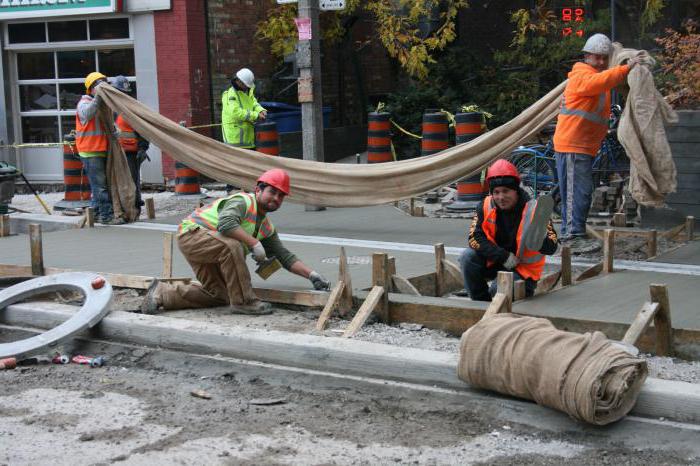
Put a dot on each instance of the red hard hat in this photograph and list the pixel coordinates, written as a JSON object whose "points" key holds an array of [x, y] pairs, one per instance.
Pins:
{"points": [[501, 168], [277, 178]]}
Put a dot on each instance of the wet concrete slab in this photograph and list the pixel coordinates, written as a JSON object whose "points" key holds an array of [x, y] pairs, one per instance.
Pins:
{"points": [[686, 254]]}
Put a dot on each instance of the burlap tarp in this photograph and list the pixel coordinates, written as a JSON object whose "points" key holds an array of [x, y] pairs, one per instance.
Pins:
{"points": [[585, 376], [350, 185]]}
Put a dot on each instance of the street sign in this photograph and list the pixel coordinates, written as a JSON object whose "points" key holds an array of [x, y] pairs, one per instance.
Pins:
{"points": [[282, 2], [327, 5]]}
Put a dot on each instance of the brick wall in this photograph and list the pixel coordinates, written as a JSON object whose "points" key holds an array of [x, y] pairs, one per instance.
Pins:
{"points": [[183, 70]]}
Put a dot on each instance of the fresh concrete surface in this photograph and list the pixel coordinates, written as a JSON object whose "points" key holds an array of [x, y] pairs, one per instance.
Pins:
{"points": [[686, 254]]}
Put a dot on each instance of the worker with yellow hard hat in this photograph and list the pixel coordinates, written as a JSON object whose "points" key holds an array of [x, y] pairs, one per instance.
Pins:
{"points": [[93, 146]]}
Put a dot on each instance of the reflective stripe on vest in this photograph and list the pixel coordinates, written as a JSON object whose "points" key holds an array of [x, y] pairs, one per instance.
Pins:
{"points": [[90, 137], [594, 117], [208, 217], [127, 136], [531, 263]]}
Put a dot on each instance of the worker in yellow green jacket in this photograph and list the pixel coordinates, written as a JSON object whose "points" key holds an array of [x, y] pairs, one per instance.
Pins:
{"points": [[240, 110]]}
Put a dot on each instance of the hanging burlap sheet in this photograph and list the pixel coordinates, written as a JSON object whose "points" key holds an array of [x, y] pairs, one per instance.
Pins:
{"points": [[585, 376]]}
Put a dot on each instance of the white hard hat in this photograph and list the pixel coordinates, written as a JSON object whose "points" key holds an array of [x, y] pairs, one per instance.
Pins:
{"points": [[246, 76], [598, 44]]}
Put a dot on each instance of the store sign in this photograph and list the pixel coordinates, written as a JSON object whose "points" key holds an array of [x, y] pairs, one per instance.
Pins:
{"points": [[13, 9]]}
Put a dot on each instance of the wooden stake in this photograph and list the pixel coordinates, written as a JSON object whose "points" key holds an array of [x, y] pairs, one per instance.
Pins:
{"points": [[651, 243], [150, 208], [498, 305], [36, 248], [373, 298], [345, 303], [590, 272], [453, 276], [392, 265], [381, 279], [439, 269], [167, 255], [418, 211], [90, 217], [662, 319], [504, 281], [689, 228], [412, 206], [619, 220], [333, 300], [608, 250], [640, 323], [590, 231], [518, 290], [4, 225], [565, 266], [675, 231], [401, 285]]}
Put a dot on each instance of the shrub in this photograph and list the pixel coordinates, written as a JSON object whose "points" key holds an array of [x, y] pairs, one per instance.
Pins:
{"points": [[679, 61]]}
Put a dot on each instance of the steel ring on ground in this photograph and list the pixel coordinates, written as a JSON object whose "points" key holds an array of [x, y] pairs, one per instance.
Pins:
{"points": [[95, 307]]}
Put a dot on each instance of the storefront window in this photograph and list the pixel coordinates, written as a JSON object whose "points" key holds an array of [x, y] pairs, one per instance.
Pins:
{"points": [[35, 65], [69, 95], [102, 29], [26, 33], [116, 62], [76, 64], [63, 31], [40, 129], [37, 97]]}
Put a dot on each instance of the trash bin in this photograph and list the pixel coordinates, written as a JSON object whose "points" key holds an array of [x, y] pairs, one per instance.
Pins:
{"points": [[8, 173], [288, 117]]}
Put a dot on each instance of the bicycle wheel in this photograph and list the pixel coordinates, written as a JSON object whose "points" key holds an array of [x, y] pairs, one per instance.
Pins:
{"points": [[538, 174]]}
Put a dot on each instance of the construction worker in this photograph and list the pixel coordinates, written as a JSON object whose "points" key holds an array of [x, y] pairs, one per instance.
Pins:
{"points": [[581, 127], [135, 147], [215, 240], [496, 237], [93, 146]]}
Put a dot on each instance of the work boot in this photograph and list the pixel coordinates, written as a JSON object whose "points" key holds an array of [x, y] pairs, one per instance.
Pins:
{"points": [[151, 302], [113, 221], [254, 308]]}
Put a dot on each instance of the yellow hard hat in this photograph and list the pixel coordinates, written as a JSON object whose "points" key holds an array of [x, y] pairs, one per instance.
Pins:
{"points": [[92, 77]]}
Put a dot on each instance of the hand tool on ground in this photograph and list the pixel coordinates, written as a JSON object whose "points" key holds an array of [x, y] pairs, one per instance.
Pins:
{"points": [[92, 362], [267, 267], [534, 235], [35, 193], [8, 363], [60, 359]]}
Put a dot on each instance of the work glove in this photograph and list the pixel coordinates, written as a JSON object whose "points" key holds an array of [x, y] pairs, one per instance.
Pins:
{"points": [[511, 262], [319, 282], [259, 252]]}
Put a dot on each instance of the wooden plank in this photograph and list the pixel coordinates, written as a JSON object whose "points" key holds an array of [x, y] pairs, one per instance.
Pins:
{"points": [[418, 211], [167, 255], [401, 285], [453, 275], [425, 284], [619, 220], [345, 303], [381, 278], [306, 298], [662, 320], [518, 290], [439, 269], [4, 225], [36, 249], [673, 232], [373, 298], [391, 263], [333, 300], [150, 208], [590, 272], [504, 284], [90, 217], [640, 323], [594, 233], [499, 304], [565, 266], [689, 228], [608, 250], [651, 243], [547, 282]]}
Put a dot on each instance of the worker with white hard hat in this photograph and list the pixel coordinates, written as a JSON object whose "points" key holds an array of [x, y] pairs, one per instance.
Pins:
{"points": [[240, 110], [581, 126]]}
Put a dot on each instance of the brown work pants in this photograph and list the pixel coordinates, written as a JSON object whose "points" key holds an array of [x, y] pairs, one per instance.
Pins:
{"points": [[219, 264]]}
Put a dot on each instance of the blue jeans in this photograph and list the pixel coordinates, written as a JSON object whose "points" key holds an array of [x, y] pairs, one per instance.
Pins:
{"points": [[101, 201], [476, 274], [576, 189]]}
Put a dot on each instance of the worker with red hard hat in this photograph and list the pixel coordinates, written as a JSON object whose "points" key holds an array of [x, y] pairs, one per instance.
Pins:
{"points": [[215, 240], [506, 225]]}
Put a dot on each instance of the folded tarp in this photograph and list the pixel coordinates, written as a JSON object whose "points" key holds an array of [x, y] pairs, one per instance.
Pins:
{"points": [[583, 375]]}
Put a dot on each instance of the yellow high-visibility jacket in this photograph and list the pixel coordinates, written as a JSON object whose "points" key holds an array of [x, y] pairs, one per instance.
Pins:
{"points": [[239, 110]]}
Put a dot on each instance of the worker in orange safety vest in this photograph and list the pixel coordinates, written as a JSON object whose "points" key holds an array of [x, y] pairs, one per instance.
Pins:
{"points": [[581, 126]]}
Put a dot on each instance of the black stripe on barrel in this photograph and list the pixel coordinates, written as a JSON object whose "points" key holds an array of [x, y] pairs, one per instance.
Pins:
{"points": [[435, 133], [267, 138], [187, 180], [379, 137]]}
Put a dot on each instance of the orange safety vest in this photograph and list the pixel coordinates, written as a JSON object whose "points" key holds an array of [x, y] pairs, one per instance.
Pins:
{"points": [[585, 108], [531, 263], [90, 137], [127, 135]]}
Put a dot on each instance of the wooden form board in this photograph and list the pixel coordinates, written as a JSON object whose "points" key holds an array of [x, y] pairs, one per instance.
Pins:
{"points": [[374, 297], [332, 302]]}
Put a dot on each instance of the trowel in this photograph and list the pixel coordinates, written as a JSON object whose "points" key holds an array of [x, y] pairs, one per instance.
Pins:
{"points": [[267, 267], [534, 235]]}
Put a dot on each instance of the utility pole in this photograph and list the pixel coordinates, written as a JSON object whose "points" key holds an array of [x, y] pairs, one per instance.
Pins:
{"points": [[309, 63]]}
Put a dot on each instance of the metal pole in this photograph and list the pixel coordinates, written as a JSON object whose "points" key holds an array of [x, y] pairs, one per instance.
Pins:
{"points": [[309, 63], [612, 20]]}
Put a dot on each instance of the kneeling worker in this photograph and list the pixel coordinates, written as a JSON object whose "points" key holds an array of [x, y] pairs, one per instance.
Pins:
{"points": [[215, 240], [497, 235]]}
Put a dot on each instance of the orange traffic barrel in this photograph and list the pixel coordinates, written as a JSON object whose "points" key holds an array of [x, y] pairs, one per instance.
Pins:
{"points": [[186, 181], [470, 191], [379, 137], [435, 133], [75, 179], [267, 138]]}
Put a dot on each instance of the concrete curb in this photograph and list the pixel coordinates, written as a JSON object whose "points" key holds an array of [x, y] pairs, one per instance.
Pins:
{"points": [[678, 401], [19, 223]]}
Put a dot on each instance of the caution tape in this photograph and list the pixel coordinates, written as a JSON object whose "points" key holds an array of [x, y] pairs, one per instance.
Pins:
{"points": [[37, 144], [203, 126], [408, 133]]}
